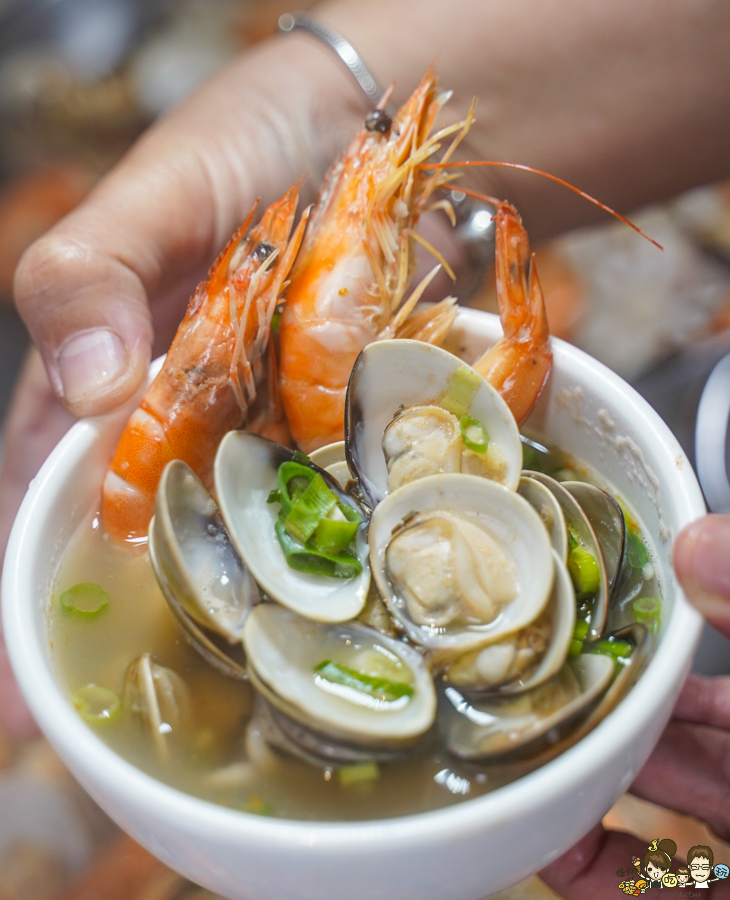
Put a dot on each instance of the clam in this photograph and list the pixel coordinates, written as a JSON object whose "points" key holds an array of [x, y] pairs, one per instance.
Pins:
{"points": [[461, 562], [245, 474], [498, 725], [207, 587], [159, 696], [340, 690], [409, 413], [527, 658], [578, 523], [549, 510]]}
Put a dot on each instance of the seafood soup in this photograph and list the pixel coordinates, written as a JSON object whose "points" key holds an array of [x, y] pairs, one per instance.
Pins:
{"points": [[408, 700]]}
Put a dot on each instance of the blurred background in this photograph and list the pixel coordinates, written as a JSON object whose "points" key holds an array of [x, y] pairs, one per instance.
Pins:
{"points": [[79, 80]]}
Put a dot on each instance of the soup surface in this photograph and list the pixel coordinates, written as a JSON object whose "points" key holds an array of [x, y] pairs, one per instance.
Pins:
{"points": [[216, 749]]}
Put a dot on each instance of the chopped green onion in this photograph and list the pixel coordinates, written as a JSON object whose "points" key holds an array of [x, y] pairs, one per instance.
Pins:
{"points": [[356, 774], [316, 562], [308, 511], [584, 570], [473, 434], [299, 457], [293, 478], [274, 496], [462, 386], [85, 600], [648, 610], [580, 633], [575, 647], [97, 705], [380, 688], [637, 553], [619, 650], [332, 536]]}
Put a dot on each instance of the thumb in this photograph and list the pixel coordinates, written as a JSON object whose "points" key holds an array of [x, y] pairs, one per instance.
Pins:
{"points": [[702, 562]]}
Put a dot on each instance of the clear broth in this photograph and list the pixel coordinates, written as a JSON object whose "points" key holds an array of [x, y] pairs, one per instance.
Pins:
{"points": [[209, 756]]}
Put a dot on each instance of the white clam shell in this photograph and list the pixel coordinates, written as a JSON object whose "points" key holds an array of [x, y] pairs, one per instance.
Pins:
{"points": [[476, 730], [504, 515], [283, 651], [332, 459], [576, 518], [389, 375], [245, 473]]}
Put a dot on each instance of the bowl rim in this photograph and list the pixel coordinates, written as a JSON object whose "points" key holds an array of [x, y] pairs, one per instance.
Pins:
{"points": [[75, 740]]}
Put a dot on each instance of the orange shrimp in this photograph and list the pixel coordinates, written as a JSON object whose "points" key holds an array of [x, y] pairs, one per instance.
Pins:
{"points": [[518, 365], [349, 282], [209, 379]]}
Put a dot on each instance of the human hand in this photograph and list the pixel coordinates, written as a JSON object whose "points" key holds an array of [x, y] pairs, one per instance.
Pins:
{"points": [[688, 770]]}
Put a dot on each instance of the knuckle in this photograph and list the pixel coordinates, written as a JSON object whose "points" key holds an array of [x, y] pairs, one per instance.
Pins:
{"points": [[47, 269]]}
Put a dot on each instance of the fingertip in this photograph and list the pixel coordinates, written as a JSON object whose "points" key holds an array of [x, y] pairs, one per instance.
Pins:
{"points": [[701, 558]]}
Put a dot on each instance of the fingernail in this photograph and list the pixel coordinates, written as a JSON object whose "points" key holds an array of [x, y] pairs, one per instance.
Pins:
{"points": [[90, 362]]}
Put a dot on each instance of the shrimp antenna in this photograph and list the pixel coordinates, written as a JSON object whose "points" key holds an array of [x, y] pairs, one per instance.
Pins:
{"points": [[524, 168]]}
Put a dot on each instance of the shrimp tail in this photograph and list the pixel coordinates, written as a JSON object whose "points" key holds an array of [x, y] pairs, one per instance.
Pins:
{"points": [[518, 365]]}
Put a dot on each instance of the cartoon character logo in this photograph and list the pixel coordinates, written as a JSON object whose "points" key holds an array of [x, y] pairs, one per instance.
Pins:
{"points": [[658, 861], [700, 860]]}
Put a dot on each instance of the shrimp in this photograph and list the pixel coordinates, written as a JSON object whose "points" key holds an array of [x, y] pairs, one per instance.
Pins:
{"points": [[349, 282], [519, 364], [209, 379]]}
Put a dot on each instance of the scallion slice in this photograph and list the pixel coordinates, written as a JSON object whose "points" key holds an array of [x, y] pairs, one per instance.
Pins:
{"points": [[474, 434], [619, 650], [293, 479], [316, 562], [331, 536], [84, 600], [462, 386], [584, 570], [358, 773], [636, 551], [648, 610], [97, 705], [310, 508], [380, 688]]}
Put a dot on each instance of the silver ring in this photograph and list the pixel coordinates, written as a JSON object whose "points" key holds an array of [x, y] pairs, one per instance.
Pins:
{"points": [[342, 47]]}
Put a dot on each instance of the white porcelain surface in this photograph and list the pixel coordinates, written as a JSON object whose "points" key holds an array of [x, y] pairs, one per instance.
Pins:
{"points": [[461, 853]]}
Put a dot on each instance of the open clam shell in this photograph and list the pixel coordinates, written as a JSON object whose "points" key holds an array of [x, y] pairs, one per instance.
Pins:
{"points": [[290, 659], [549, 510], [576, 519], [389, 376], [245, 473], [507, 667], [498, 725], [510, 522], [204, 581]]}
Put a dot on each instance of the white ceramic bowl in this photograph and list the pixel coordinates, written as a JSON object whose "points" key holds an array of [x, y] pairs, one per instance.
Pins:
{"points": [[464, 852]]}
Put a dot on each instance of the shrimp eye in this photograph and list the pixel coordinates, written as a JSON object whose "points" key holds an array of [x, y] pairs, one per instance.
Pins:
{"points": [[378, 120], [262, 251]]}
